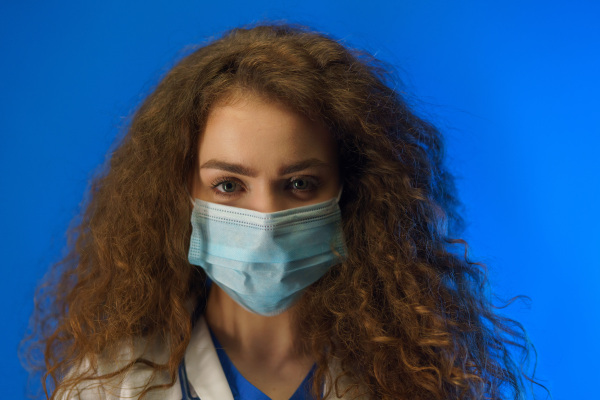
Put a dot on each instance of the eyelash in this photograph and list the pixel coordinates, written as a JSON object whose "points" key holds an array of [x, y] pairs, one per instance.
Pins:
{"points": [[313, 181], [222, 180]]}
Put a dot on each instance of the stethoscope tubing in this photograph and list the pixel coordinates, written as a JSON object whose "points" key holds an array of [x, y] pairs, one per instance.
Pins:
{"points": [[185, 385]]}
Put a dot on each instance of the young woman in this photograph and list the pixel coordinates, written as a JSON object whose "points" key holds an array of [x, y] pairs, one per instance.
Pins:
{"points": [[277, 223]]}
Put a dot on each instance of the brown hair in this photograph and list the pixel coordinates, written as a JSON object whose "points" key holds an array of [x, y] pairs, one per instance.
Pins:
{"points": [[404, 316]]}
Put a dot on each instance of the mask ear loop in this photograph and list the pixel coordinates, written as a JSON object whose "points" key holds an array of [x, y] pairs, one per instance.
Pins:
{"points": [[339, 196], [190, 197]]}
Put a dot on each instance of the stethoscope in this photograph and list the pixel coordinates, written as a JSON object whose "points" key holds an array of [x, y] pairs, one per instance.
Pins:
{"points": [[183, 378], [185, 384]]}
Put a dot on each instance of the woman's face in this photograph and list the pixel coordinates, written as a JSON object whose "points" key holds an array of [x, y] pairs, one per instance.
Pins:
{"points": [[263, 156]]}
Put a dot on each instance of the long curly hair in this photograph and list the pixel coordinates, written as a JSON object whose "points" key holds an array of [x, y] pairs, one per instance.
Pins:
{"points": [[406, 315]]}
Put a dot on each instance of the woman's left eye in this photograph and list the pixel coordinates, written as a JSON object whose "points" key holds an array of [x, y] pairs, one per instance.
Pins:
{"points": [[302, 184]]}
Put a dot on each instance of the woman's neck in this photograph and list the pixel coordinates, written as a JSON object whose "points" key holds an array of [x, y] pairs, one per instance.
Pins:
{"points": [[262, 348], [248, 336]]}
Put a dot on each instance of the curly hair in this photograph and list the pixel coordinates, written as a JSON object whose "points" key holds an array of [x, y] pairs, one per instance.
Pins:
{"points": [[406, 315]]}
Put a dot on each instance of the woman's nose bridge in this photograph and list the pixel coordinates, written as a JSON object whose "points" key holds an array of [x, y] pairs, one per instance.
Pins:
{"points": [[267, 199]]}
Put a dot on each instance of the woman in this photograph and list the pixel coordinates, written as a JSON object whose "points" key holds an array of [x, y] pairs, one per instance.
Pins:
{"points": [[319, 261]]}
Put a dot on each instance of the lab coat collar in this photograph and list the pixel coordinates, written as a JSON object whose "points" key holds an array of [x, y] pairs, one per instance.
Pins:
{"points": [[204, 369]]}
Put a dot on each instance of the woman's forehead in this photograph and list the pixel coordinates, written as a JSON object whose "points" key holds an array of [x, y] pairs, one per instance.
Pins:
{"points": [[260, 131]]}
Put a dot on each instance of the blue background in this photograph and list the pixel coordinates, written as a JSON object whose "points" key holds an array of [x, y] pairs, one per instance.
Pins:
{"points": [[513, 84]]}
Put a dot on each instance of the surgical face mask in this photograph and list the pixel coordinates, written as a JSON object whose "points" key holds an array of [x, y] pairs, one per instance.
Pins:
{"points": [[264, 261]]}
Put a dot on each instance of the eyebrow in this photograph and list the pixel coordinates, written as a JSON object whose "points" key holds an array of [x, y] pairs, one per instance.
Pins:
{"points": [[240, 169], [229, 167], [302, 165]]}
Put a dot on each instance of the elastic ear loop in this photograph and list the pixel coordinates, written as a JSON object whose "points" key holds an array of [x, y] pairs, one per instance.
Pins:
{"points": [[332, 248], [339, 196], [190, 197]]}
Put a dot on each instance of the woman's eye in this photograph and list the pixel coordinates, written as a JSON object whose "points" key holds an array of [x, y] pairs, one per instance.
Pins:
{"points": [[302, 184], [226, 186]]}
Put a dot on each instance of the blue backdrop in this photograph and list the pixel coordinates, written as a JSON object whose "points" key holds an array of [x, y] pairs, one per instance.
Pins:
{"points": [[513, 84]]}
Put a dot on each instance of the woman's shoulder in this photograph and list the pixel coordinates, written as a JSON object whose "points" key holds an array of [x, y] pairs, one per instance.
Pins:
{"points": [[124, 373], [119, 376]]}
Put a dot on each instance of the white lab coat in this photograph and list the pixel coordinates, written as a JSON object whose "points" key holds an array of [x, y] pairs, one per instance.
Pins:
{"points": [[205, 375]]}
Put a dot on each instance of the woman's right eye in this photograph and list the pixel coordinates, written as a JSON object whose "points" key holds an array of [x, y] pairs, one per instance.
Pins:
{"points": [[226, 187]]}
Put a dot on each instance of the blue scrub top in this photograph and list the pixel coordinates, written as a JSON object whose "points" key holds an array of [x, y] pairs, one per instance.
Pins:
{"points": [[244, 390]]}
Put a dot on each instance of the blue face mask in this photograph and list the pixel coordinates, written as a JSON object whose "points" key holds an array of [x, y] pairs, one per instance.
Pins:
{"points": [[264, 261]]}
